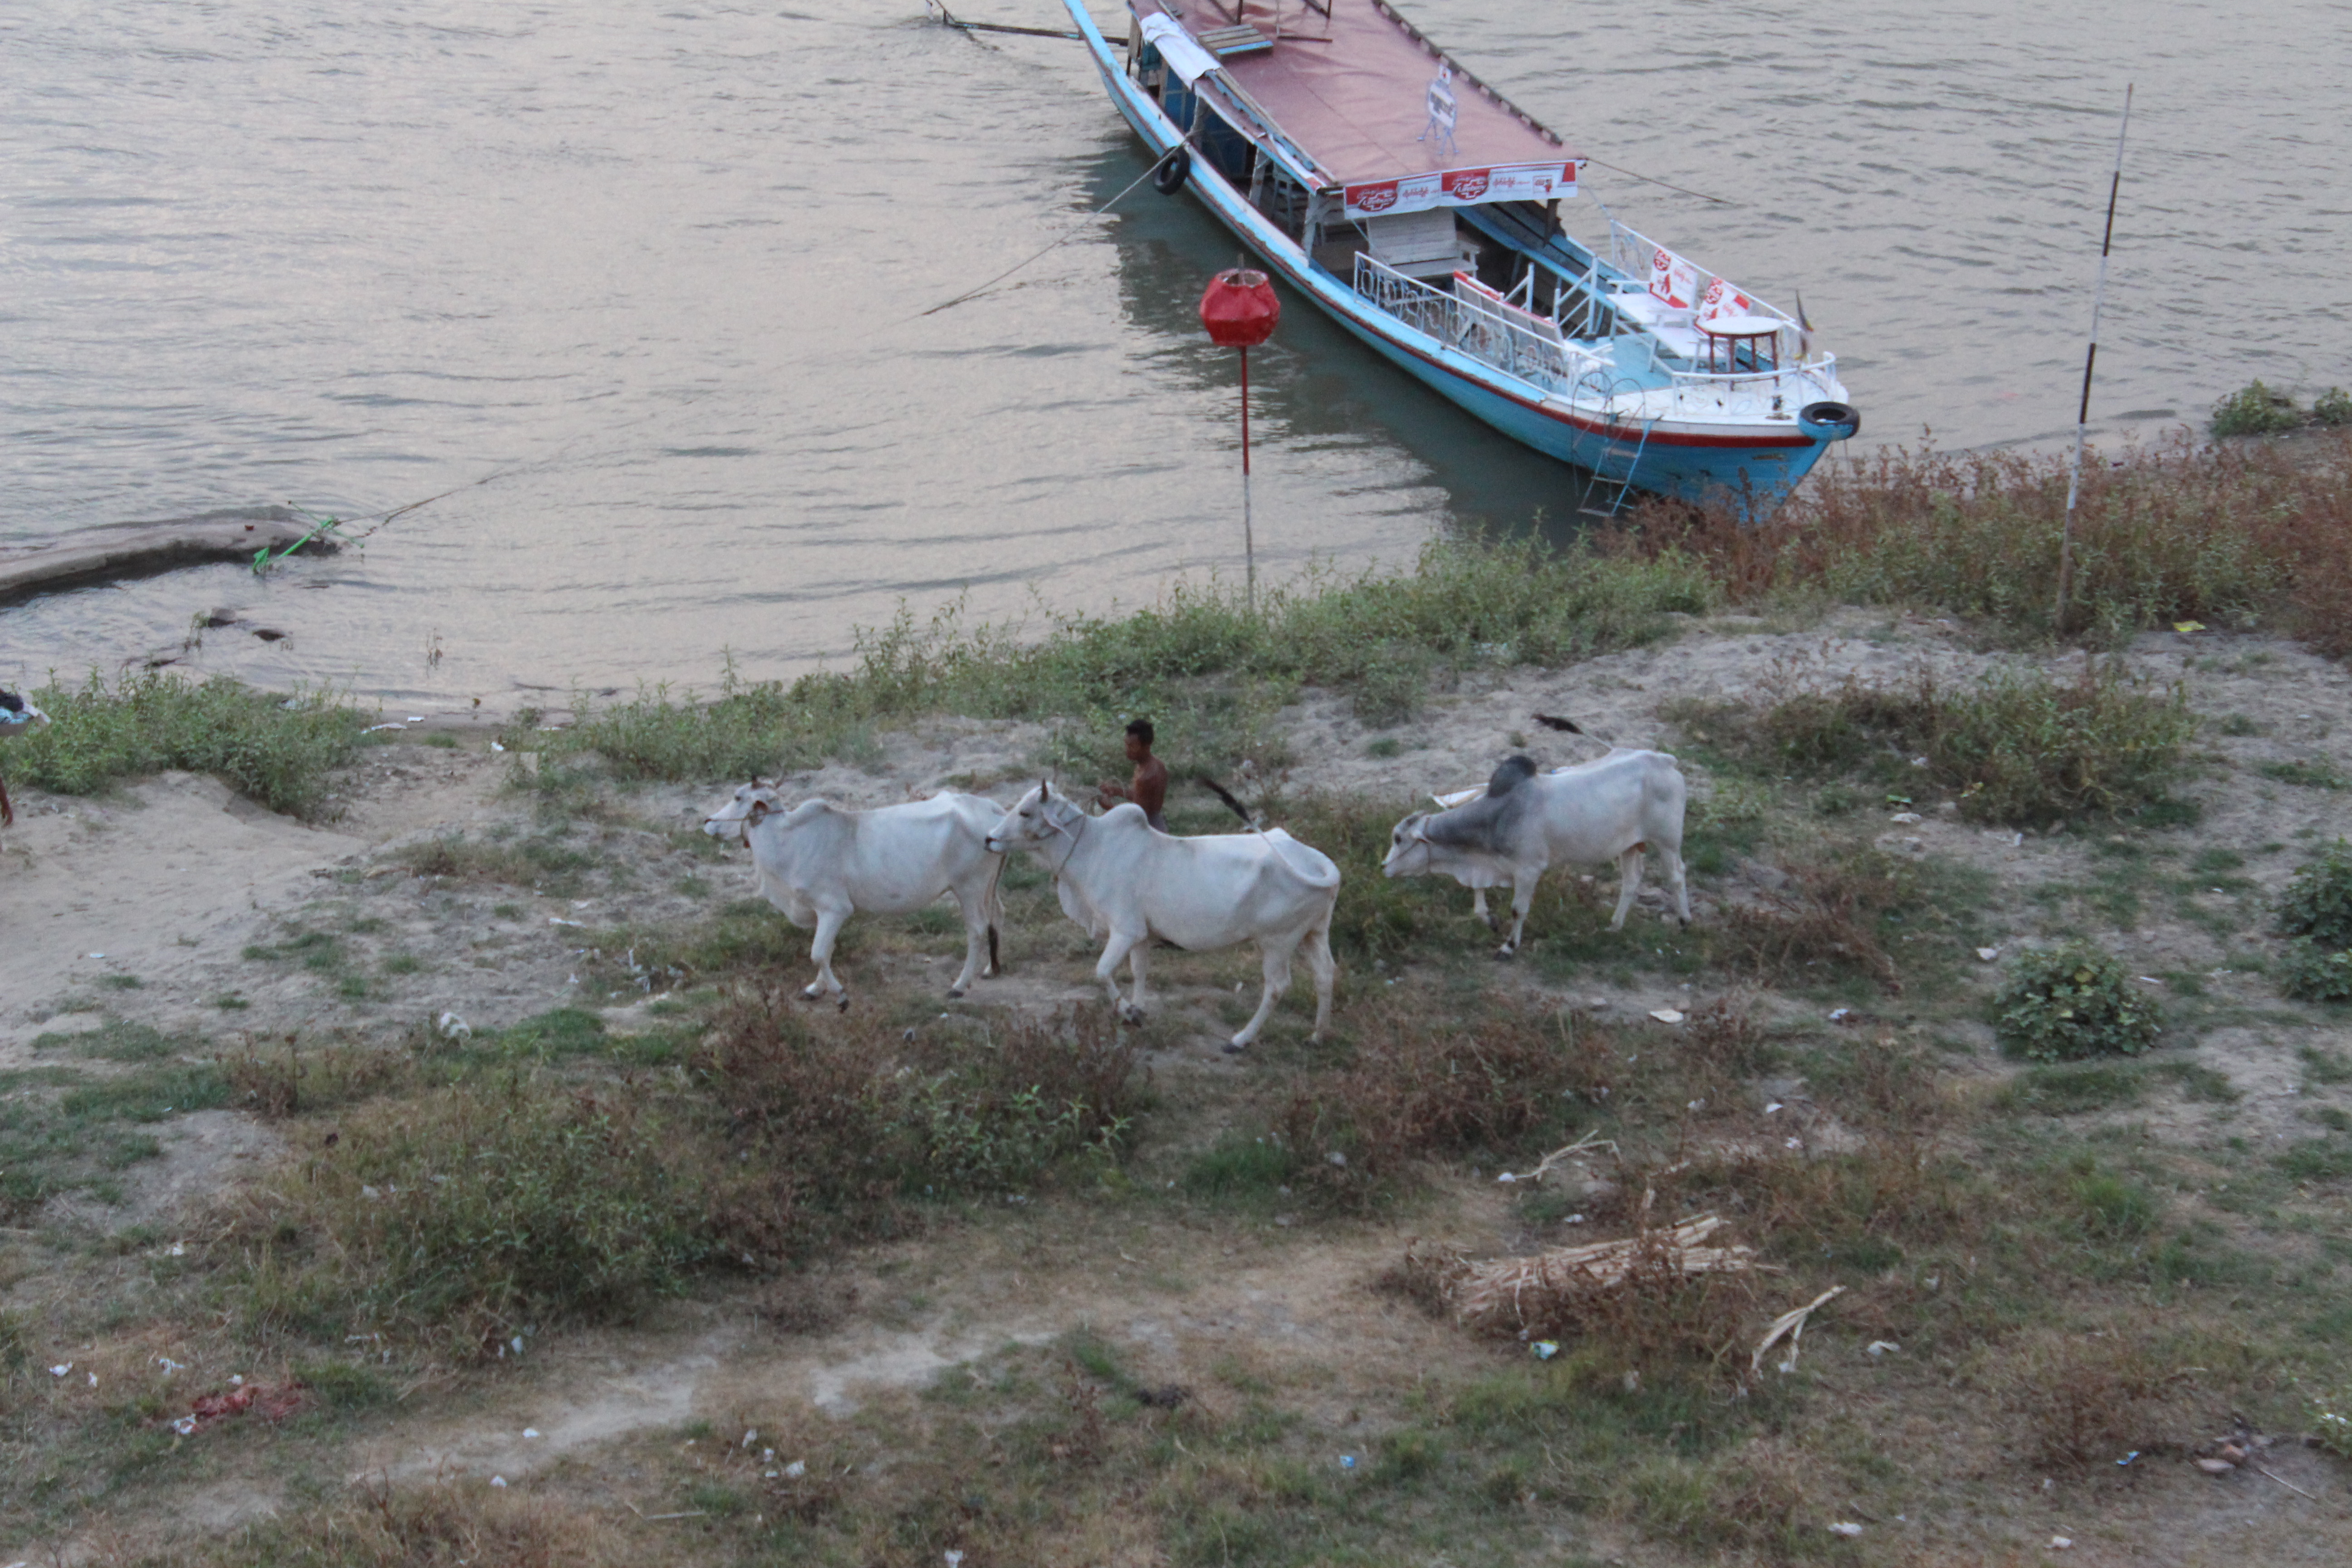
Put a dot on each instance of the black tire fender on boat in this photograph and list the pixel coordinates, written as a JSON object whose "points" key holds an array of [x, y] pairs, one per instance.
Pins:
{"points": [[1829, 421], [1173, 171]]}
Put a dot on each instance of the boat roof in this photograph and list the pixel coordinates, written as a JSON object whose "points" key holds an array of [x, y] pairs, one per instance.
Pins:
{"points": [[1349, 89]]}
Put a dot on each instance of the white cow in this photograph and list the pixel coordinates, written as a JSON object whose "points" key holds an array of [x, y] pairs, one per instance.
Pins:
{"points": [[1527, 822], [822, 863], [1127, 883]]}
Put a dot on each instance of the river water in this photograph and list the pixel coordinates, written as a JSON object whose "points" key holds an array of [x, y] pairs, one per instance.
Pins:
{"points": [[647, 282]]}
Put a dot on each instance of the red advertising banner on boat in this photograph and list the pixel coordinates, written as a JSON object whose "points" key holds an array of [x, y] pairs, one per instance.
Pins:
{"points": [[1462, 188]]}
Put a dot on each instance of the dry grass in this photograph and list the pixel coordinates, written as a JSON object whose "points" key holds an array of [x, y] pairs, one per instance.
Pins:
{"points": [[835, 1124], [2227, 535], [1822, 922], [441, 1525], [2080, 1398], [1418, 1087]]}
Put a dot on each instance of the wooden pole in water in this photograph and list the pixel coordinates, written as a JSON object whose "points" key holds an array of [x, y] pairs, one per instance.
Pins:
{"points": [[2082, 414]]}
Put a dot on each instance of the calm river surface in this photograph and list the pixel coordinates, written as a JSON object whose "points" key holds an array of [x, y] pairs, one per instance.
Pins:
{"points": [[654, 273]]}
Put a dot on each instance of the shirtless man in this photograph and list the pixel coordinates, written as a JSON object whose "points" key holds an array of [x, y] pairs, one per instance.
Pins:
{"points": [[1148, 787]]}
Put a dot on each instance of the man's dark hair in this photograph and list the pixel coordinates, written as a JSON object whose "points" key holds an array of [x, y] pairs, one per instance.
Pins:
{"points": [[1142, 730]]}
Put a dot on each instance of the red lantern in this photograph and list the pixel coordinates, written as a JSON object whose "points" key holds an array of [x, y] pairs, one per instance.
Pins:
{"points": [[1239, 308]]}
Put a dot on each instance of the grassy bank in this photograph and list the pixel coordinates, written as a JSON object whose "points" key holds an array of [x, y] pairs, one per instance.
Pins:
{"points": [[2234, 536], [2251, 536]]}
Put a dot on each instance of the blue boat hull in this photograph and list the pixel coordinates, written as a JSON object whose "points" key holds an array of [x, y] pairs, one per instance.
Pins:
{"points": [[1754, 472]]}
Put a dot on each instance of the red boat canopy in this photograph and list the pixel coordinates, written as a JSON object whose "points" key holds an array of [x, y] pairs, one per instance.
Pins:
{"points": [[1363, 94]]}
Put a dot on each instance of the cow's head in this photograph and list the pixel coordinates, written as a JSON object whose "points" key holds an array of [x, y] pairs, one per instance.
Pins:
{"points": [[1033, 819], [1408, 849], [743, 811]]}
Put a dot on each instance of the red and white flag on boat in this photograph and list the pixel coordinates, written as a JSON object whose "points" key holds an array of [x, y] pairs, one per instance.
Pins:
{"points": [[1723, 299], [1673, 280]]}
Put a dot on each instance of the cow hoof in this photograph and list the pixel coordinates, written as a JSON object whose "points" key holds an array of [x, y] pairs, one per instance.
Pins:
{"points": [[1235, 1047], [955, 993], [811, 993], [841, 1003], [1503, 954], [1128, 1014]]}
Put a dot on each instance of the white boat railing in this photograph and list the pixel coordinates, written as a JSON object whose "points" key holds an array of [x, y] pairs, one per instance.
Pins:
{"points": [[1631, 251], [1485, 335], [1750, 393]]}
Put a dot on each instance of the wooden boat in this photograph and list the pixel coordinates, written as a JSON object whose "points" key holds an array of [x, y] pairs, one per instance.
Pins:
{"points": [[1420, 210]]}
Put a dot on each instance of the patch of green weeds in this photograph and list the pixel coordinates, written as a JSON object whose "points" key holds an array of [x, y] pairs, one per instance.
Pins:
{"points": [[2317, 1160], [2324, 1067], [543, 860], [2013, 746], [2319, 774], [279, 751], [1250, 1173], [555, 1036], [2074, 1089], [117, 1040], [67, 1133], [2255, 410], [2198, 1082]]}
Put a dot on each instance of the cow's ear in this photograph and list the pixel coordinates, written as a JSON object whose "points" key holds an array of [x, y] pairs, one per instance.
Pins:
{"points": [[759, 810]]}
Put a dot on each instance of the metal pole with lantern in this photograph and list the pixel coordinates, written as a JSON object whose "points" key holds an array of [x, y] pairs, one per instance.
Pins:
{"points": [[1239, 309]]}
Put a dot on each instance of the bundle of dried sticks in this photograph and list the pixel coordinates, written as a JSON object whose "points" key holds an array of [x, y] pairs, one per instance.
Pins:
{"points": [[1497, 1295]]}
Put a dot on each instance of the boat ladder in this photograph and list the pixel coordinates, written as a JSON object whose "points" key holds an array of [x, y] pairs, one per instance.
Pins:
{"points": [[1614, 468]]}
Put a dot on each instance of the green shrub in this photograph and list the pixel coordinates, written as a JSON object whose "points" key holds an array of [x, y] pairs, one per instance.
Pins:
{"points": [[2319, 902], [2314, 974], [2332, 407], [2015, 746], [279, 751], [2071, 1001], [2255, 410]]}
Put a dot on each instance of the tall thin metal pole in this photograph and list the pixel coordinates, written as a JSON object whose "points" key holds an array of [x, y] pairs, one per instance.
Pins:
{"points": [[2082, 414], [1249, 534]]}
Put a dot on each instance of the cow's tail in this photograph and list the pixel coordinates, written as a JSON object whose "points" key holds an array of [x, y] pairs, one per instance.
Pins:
{"points": [[1236, 807]]}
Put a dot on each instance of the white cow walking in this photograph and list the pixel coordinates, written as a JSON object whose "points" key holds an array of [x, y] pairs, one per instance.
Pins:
{"points": [[1127, 883], [821, 863], [1527, 822]]}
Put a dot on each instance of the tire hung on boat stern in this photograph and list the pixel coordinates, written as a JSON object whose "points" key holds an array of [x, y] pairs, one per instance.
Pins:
{"points": [[1829, 421]]}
